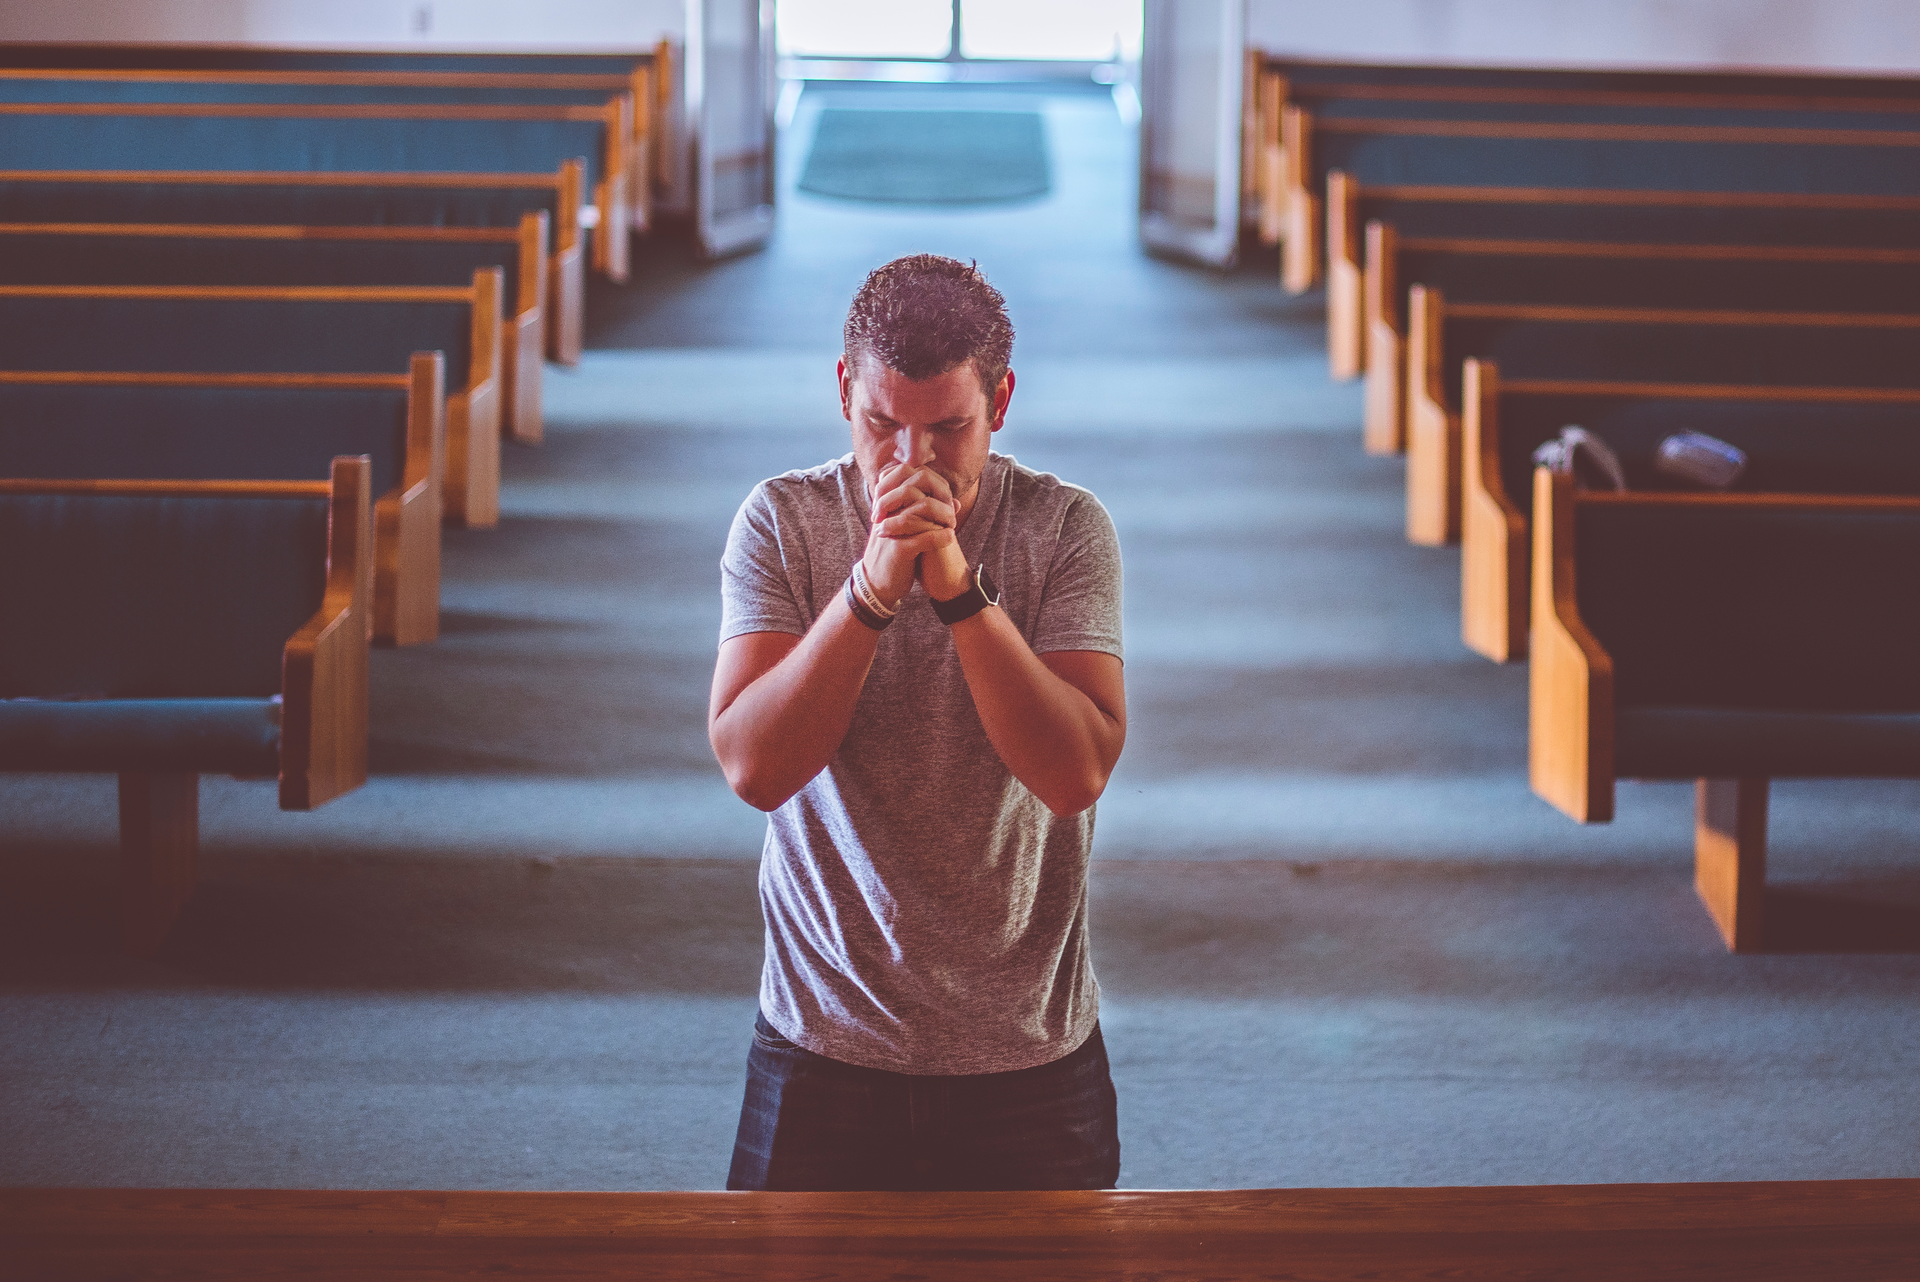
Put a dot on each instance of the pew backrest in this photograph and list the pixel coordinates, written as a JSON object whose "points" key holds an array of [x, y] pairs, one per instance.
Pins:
{"points": [[174, 594], [1779, 609]]}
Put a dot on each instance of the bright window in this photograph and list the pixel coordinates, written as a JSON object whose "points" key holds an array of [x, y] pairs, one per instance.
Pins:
{"points": [[1077, 30], [866, 28]]}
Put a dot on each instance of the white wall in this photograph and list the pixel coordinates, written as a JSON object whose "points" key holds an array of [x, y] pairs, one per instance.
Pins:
{"points": [[1836, 35], [479, 24]]}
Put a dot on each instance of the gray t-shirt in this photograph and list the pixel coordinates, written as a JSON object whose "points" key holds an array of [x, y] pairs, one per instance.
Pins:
{"points": [[925, 912]]}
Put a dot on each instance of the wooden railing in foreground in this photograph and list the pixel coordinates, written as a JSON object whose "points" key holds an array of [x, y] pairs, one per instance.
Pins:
{"points": [[1836, 1231]]}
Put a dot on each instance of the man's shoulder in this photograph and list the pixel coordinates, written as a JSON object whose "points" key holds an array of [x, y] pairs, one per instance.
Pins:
{"points": [[1034, 494], [804, 494]]}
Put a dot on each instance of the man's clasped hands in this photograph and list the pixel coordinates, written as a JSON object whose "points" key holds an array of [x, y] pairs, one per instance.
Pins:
{"points": [[914, 535]]}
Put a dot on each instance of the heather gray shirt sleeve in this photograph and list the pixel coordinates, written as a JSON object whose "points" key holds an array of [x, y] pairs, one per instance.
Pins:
{"points": [[762, 581], [1080, 606]]}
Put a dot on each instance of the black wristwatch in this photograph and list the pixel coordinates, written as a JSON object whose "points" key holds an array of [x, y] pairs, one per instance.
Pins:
{"points": [[983, 593]]}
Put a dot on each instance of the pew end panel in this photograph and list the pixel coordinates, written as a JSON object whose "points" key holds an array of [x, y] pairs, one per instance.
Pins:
{"points": [[613, 238], [528, 339], [1300, 253], [1569, 677], [1385, 348], [567, 273], [408, 517], [1432, 429], [323, 751], [473, 415], [1270, 159], [1346, 301], [640, 161], [1493, 530]]}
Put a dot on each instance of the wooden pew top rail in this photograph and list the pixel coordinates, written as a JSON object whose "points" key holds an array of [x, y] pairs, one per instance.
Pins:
{"points": [[1837, 1231]]}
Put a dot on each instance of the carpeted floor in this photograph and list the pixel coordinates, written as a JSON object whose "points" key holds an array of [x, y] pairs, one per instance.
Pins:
{"points": [[1340, 941]]}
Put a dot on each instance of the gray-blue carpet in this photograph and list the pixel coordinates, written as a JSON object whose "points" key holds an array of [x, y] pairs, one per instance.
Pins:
{"points": [[927, 157], [1340, 942]]}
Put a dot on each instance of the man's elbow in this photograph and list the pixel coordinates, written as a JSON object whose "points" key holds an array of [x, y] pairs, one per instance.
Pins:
{"points": [[760, 793], [1070, 795]]}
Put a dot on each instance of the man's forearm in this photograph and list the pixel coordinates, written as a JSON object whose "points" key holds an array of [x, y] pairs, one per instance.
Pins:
{"points": [[780, 731], [1055, 738]]}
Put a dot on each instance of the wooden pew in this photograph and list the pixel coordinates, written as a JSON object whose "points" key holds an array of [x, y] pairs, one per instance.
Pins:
{"points": [[165, 629], [377, 137], [211, 254], [276, 427], [84, 84], [1275, 83], [1738, 276], [303, 330], [1693, 158], [1788, 1231], [1365, 296], [1643, 345], [1725, 638], [1828, 440], [647, 73], [487, 201]]}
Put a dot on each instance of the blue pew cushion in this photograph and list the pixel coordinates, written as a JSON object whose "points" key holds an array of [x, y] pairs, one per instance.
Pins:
{"points": [[218, 736], [1731, 743]]}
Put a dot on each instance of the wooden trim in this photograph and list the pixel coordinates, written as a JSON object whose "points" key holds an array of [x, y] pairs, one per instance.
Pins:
{"points": [[1659, 250], [1432, 430], [164, 378], [265, 231], [473, 416], [1386, 349], [1300, 251], [1749, 134], [1711, 391], [1346, 326], [1635, 197], [406, 519], [1270, 160], [1833, 1230], [1569, 675], [1783, 502], [1730, 858], [570, 198], [159, 854], [289, 177], [374, 79], [664, 137], [1493, 529], [181, 488], [567, 277], [323, 721], [527, 337], [308, 111], [1324, 92], [1680, 316], [267, 293]]}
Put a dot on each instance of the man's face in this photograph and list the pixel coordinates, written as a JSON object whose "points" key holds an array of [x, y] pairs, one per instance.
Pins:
{"points": [[944, 423]]}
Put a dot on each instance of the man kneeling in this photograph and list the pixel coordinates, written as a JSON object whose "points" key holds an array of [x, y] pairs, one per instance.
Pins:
{"points": [[920, 679]]}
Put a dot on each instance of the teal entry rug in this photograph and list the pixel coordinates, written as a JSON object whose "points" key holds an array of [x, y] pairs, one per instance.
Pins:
{"points": [[927, 157]]}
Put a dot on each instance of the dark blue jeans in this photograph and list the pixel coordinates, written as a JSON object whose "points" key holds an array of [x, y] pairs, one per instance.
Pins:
{"points": [[811, 1123]]}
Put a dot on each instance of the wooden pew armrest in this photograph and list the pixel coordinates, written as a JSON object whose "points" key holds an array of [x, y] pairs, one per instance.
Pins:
{"points": [[1493, 530], [1570, 676], [323, 736]]}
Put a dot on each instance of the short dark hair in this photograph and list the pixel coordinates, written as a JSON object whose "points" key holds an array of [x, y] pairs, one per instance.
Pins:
{"points": [[923, 314]]}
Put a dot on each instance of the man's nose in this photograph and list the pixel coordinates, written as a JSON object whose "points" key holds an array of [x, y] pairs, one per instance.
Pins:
{"points": [[913, 446]]}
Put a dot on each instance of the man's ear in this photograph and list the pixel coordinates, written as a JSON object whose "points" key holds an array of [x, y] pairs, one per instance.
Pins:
{"points": [[846, 388], [1001, 395]]}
